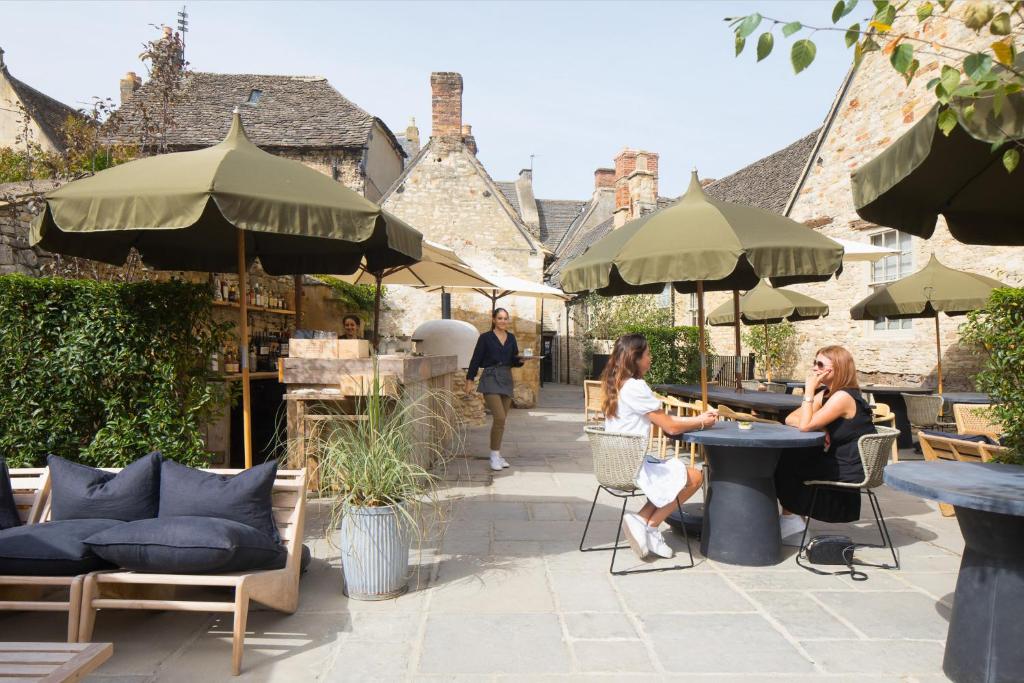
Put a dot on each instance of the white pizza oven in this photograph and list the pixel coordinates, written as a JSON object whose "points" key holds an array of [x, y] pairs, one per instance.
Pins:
{"points": [[447, 338]]}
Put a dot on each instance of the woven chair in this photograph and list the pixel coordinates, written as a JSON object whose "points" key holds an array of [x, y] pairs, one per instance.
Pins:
{"points": [[617, 459], [874, 456], [775, 387], [593, 395], [881, 414], [977, 419], [750, 385], [925, 412]]}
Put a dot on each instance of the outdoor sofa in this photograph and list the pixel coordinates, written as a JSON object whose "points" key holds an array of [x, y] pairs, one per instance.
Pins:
{"points": [[132, 538]]}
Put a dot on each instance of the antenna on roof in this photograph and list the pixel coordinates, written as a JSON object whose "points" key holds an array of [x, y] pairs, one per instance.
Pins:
{"points": [[532, 156], [183, 28]]}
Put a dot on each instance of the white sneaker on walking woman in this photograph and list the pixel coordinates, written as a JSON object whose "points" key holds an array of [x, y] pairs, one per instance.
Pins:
{"points": [[635, 529], [496, 462]]}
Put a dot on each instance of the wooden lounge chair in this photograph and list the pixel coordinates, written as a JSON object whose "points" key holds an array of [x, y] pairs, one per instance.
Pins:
{"points": [[977, 419], [592, 398], [32, 593], [727, 413], [881, 414], [275, 588], [951, 448]]}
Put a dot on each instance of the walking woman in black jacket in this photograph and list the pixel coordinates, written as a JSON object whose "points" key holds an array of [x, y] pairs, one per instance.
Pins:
{"points": [[496, 353]]}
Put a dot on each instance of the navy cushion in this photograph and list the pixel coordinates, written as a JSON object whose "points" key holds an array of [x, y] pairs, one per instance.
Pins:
{"points": [[83, 492], [52, 548], [975, 438], [244, 498], [8, 509], [188, 545]]}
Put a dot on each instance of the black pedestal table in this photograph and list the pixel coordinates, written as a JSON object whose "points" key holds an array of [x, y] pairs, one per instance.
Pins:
{"points": [[741, 513], [985, 629]]}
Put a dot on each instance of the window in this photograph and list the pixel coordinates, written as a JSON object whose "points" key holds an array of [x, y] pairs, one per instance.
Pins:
{"points": [[665, 298], [892, 268], [691, 313], [255, 96]]}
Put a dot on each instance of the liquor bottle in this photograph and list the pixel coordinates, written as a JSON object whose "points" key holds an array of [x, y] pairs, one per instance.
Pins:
{"points": [[284, 344], [224, 289], [233, 293], [258, 294], [215, 362], [216, 288]]}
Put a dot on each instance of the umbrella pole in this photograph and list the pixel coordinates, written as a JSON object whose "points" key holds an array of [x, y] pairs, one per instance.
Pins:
{"points": [[736, 327], [700, 343], [767, 364], [376, 311], [938, 351], [243, 340]]}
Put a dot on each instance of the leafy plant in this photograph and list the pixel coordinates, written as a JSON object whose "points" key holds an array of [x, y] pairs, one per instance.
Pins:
{"points": [[675, 354], [103, 372], [774, 345], [382, 459], [970, 80], [998, 331], [357, 298]]}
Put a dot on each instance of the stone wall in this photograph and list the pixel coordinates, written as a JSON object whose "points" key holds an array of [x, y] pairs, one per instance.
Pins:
{"points": [[16, 216]]}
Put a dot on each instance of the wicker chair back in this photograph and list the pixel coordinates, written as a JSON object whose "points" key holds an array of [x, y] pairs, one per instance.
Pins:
{"points": [[617, 457]]}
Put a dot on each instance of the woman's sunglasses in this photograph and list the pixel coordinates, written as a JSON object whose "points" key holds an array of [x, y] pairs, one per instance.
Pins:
{"points": [[821, 366]]}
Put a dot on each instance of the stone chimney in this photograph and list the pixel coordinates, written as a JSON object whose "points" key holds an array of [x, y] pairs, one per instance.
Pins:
{"points": [[636, 185], [528, 202], [412, 136], [446, 108], [3, 66], [129, 84], [468, 139]]}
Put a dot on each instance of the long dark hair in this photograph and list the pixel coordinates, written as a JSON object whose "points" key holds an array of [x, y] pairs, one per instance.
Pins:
{"points": [[623, 365], [495, 313]]}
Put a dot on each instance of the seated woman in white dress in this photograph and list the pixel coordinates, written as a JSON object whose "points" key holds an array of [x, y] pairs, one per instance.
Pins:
{"points": [[631, 407]]}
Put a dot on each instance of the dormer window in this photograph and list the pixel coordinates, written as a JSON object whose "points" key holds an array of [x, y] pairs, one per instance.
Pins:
{"points": [[254, 96]]}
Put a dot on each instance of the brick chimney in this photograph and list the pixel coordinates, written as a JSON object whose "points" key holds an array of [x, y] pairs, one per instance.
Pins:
{"points": [[129, 84], [604, 177], [636, 185], [446, 108], [468, 139], [527, 201]]}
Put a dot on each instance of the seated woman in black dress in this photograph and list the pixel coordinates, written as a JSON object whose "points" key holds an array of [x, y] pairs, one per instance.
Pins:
{"points": [[832, 404]]}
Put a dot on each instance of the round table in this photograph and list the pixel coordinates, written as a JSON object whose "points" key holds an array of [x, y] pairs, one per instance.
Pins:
{"points": [[985, 628], [741, 513], [972, 397]]}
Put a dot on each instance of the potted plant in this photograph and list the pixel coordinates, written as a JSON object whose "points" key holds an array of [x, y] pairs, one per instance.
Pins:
{"points": [[380, 470]]}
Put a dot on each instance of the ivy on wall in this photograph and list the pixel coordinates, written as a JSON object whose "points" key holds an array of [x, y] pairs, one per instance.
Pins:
{"points": [[104, 372]]}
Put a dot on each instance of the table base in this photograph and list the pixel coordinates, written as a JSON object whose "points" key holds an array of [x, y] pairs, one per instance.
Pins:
{"points": [[985, 628], [741, 518]]}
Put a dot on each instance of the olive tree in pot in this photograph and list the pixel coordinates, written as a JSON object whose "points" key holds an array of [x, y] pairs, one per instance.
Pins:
{"points": [[381, 472]]}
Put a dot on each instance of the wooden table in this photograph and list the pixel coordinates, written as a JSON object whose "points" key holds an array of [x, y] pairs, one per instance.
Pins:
{"points": [[985, 628], [741, 514], [767, 403], [51, 662]]}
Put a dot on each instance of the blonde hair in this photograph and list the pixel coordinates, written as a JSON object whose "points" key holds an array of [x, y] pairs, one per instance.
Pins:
{"points": [[844, 371], [623, 365]]}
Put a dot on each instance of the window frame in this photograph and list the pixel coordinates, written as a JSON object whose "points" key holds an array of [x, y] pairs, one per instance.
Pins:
{"points": [[885, 324]]}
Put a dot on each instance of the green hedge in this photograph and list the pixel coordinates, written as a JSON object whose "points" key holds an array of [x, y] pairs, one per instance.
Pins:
{"points": [[103, 372], [999, 330], [675, 357]]}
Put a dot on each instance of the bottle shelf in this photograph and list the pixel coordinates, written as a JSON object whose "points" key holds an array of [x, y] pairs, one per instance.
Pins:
{"points": [[262, 309]]}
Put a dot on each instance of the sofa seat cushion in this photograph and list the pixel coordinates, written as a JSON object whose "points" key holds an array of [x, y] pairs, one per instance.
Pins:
{"points": [[188, 545], [52, 548], [245, 498], [8, 508], [83, 492]]}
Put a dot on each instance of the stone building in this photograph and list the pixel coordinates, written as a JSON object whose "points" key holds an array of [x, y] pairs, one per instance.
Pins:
{"points": [[299, 117], [451, 198], [46, 116]]}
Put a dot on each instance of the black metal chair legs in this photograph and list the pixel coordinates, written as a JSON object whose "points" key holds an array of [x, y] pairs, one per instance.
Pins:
{"points": [[625, 496], [883, 532]]}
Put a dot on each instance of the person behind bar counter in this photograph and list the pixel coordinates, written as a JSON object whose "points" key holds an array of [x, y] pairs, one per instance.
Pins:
{"points": [[351, 324], [496, 353]]}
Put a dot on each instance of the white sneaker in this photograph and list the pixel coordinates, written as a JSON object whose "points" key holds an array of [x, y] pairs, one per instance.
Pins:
{"points": [[634, 528], [657, 544], [496, 462], [504, 462], [791, 527]]}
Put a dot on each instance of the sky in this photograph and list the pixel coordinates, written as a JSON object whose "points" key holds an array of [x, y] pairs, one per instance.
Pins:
{"points": [[571, 83]]}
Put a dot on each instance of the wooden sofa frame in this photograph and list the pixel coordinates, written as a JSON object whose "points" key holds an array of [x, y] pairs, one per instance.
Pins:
{"points": [[943, 448], [25, 593], [275, 588]]}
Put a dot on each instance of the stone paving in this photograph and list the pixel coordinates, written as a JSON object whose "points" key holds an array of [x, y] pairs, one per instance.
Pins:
{"points": [[505, 595]]}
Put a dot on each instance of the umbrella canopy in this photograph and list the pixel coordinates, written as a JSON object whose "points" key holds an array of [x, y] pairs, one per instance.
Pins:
{"points": [[925, 173], [765, 304], [438, 266], [932, 289], [183, 211], [217, 209], [500, 286], [702, 243]]}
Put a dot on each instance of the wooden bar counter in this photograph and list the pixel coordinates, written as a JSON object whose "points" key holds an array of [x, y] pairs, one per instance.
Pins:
{"points": [[322, 390]]}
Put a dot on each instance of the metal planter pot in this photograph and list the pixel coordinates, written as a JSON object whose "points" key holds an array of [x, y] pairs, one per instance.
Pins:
{"points": [[374, 543]]}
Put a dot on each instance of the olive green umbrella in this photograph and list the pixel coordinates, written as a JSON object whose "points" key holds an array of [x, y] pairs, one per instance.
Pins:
{"points": [[924, 294], [698, 244], [925, 173], [766, 305], [217, 209]]}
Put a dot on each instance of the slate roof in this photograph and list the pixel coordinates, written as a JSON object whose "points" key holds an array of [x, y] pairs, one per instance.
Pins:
{"points": [[767, 183], [509, 190], [556, 215], [575, 245], [292, 111], [47, 112]]}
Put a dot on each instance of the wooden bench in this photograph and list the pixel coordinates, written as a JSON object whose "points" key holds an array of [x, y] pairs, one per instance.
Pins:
{"points": [[275, 588], [34, 593], [51, 662]]}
